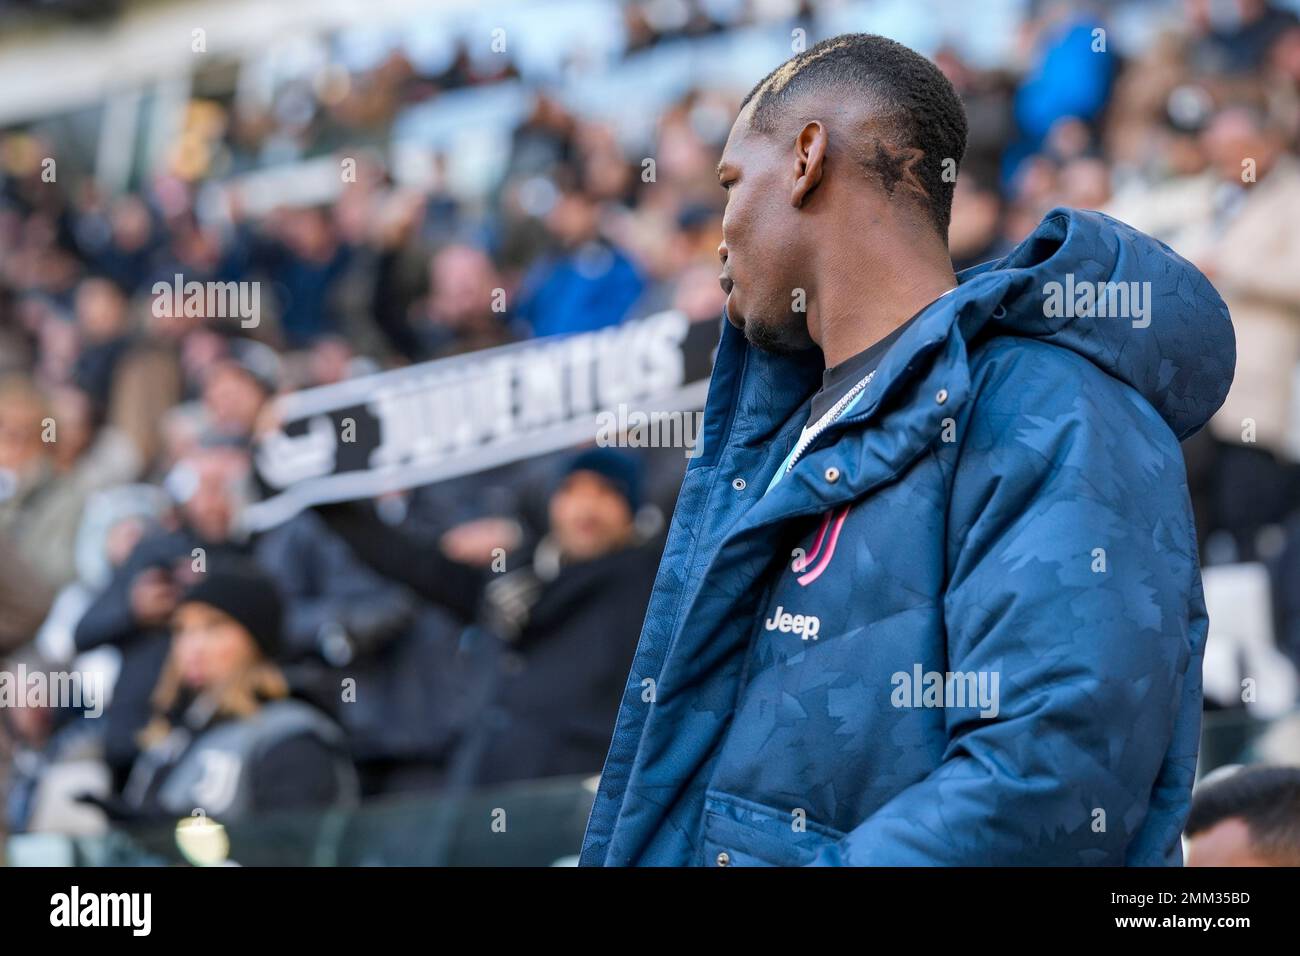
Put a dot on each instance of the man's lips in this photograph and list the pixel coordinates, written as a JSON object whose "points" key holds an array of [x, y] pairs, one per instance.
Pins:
{"points": [[726, 284]]}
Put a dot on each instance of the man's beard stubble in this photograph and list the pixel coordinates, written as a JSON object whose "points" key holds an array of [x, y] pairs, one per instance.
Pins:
{"points": [[779, 338]]}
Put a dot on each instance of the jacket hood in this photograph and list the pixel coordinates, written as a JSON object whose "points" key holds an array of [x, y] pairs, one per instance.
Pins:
{"points": [[1123, 300]]}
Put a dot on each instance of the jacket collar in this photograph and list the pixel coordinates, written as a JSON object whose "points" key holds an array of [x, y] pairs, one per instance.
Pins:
{"points": [[922, 381]]}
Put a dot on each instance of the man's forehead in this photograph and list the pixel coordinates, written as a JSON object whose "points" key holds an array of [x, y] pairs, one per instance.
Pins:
{"points": [[736, 139]]}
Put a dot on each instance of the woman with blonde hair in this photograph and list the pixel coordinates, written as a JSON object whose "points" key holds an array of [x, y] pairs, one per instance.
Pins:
{"points": [[227, 737]]}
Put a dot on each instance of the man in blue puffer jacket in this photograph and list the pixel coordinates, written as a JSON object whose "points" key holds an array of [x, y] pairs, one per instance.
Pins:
{"points": [[931, 592]]}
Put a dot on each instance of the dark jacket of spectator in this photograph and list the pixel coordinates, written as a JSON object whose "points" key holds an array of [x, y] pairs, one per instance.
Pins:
{"points": [[548, 671], [345, 622]]}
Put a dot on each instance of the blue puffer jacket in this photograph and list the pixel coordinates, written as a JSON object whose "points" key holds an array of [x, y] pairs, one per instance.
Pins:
{"points": [[1007, 503]]}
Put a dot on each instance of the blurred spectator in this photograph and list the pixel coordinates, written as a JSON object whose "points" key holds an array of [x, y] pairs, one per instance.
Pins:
{"points": [[105, 336], [304, 258], [113, 523], [1235, 36], [236, 388], [346, 623], [63, 757], [226, 736], [120, 245], [132, 612], [1243, 241], [1071, 77], [1233, 221], [560, 627], [53, 455], [544, 140], [464, 311], [589, 284]]}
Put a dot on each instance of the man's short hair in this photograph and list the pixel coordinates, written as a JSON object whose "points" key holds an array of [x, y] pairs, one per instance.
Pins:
{"points": [[1267, 799], [917, 108]]}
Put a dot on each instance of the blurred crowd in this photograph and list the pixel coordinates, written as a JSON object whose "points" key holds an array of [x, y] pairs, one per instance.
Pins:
{"points": [[375, 647]]}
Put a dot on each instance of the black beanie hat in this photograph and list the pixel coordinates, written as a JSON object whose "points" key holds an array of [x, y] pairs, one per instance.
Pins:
{"points": [[246, 594], [621, 470]]}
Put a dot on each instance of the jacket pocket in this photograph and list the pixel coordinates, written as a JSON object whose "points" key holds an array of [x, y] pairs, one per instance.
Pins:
{"points": [[739, 832]]}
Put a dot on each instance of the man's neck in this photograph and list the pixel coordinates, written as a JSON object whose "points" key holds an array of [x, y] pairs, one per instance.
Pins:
{"points": [[862, 307]]}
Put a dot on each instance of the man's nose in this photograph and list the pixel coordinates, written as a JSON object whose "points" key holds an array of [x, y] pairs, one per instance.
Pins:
{"points": [[722, 251]]}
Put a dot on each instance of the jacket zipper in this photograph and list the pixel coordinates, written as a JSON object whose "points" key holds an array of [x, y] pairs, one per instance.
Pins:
{"points": [[827, 420]]}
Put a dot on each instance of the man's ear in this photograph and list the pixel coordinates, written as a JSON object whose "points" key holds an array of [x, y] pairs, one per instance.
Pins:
{"points": [[810, 154]]}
